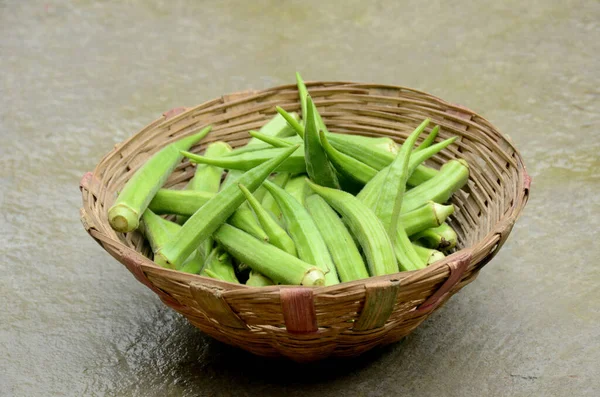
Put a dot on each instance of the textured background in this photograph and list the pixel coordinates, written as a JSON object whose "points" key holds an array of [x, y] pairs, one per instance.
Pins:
{"points": [[76, 77]]}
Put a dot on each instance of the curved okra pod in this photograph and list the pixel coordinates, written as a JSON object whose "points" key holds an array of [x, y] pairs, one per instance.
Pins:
{"points": [[368, 194], [347, 165], [267, 259], [276, 127], [292, 121], [367, 228], [429, 140], [344, 252], [159, 231], [268, 202], [258, 280], [271, 140], [178, 202], [302, 229], [407, 257], [452, 176], [276, 234], [294, 164], [389, 200], [212, 214], [318, 167], [302, 94], [218, 265], [429, 215], [124, 215]]}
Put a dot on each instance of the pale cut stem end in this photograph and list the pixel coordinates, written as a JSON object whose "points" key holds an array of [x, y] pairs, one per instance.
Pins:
{"points": [[313, 277], [435, 256], [122, 218], [442, 212]]}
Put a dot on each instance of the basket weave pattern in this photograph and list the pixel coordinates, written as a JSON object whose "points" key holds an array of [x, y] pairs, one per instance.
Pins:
{"points": [[350, 318]]}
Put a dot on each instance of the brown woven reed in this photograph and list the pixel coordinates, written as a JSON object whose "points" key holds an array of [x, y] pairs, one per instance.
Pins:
{"points": [[350, 318]]}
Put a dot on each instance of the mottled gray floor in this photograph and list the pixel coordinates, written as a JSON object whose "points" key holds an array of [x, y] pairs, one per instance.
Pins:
{"points": [[78, 76]]}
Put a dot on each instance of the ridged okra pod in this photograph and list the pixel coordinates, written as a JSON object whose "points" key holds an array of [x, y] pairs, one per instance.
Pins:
{"points": [[368, 229], [318, 167], [389, 200], [178, 202], [218, 265], [124, 215], [267, 259], [302, 229], [452, 176], [344, 252], [429, 215], [351, 168]]}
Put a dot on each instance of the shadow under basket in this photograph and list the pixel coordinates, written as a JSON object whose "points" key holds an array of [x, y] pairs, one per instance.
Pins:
{"points": [[344, 320]]}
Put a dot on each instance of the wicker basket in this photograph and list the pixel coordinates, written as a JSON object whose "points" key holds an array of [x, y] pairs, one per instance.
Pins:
{"points": [[348, 319]]}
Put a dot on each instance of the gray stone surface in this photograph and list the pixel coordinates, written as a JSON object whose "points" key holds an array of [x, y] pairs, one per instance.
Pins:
{"points": [[76, 77]]}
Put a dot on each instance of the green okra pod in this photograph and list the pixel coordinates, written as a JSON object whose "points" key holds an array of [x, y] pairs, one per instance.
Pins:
{"points": [[271, 140], [427, 142], [218, 265], [407, 257], [276, 127], [267, 259], [207, 178], [246, 161], [365, 226], [389, 200], [428, 255], [268, 202], [158, 231], [452, 176], [297, 188], [212, 214], [124, 215], [351, 168], [292, 122], [302, 94], [429, 215], [178, 202], [344, 252], [302, 229], [442, 237], [369, 193], [258, 280], [276, 234], [318, 167]]}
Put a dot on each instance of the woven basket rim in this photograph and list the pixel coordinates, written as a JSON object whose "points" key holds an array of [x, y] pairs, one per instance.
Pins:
{"points": [[505, 222]]}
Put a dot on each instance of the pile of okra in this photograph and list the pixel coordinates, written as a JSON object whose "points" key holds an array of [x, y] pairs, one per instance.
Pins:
{"points": [[297, 205]]}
